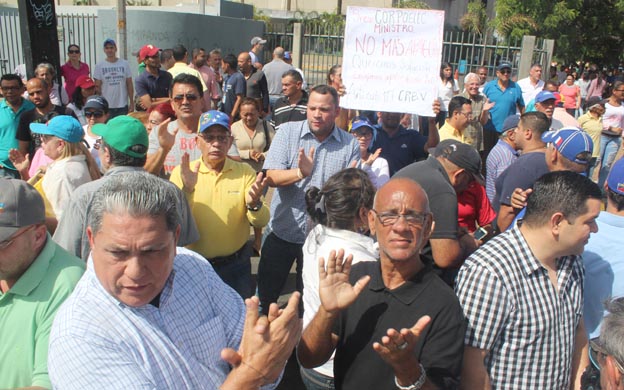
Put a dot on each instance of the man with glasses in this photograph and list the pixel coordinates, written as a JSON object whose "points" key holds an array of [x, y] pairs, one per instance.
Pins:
{"points": [[225, 197], [506, 96], [392, 323], [446, 173], [11, 109], [36, 276], [152, 86], [522, 292], [171, 140], [459, 116], [607, 352]]}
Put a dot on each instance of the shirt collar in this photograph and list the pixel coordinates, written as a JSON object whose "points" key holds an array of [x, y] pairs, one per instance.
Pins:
{"points": [[122, 169], [227, 166], [306, 130], [506, 145], [36, 272], [408, 291]]}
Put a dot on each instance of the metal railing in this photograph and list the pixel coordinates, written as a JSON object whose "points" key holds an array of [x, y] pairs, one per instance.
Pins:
{"points": [[11, 52]]}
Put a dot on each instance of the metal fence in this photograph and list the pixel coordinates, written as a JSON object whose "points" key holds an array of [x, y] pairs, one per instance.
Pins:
{"points": [[76, 29]]}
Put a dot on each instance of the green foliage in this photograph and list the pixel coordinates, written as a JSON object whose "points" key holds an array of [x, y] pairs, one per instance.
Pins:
{"points": [[415, 4], [475, 20], [260, 16], [136, 3]]}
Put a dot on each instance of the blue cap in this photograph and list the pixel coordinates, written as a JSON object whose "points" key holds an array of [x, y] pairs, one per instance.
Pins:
{"points": [[503, 65], [287, 55], [615, 181], [360, 122], [511, 122], [572, 143], [544, 95], [109, 41], [213, 118], [63, 126]]}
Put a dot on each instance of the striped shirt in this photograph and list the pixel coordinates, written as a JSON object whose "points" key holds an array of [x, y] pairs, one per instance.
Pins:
{"points": [[98, 342], [500, 157], [285, 112], [515, 313]]}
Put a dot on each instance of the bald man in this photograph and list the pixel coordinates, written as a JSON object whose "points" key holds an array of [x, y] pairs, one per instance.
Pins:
{"points": [[363, 308], [257, 87]]}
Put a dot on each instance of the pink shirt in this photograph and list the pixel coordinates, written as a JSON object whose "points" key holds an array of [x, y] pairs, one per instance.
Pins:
{"points": [[71, 74], [570, 95]]}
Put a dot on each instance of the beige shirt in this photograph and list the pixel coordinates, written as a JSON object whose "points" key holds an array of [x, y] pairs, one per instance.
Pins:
{"points": [[258, 142]]}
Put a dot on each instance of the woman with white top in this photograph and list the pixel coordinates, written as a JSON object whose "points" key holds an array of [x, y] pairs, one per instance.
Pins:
{"points": [[612, 125], [340, 210], [448, 88], [376, 167]]}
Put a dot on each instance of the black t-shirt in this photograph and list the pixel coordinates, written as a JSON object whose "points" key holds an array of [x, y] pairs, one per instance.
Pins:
{"points": [[32, 116], [404, 148], [439, 349]]}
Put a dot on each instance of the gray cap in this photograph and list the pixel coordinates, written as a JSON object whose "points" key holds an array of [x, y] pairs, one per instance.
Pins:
{"points": [[511, 122], [20, 206]]}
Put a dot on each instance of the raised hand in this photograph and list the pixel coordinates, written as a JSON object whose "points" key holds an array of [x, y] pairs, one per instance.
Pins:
{"points": [[306, 163], [166, 140], [335, 290], [372, 157], [257, 189], [519, 198], [488, 104], [188, 175], [396, 347], [20, 162]]}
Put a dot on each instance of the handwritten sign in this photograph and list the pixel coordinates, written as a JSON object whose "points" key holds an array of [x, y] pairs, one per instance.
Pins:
{"points": [[391, 59]]}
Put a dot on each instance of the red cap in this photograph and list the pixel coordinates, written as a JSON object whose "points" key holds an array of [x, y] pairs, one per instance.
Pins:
{"points": [[85, 82], [148, 51]]}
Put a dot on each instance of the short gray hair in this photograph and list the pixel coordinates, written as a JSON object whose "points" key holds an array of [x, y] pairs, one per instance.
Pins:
{"points": [[612, 329], [47, 66], [139, 194], [471, 76], [278, 52]]}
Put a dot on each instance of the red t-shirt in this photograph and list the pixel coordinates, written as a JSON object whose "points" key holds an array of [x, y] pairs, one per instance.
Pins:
{"points": [[474, 208], [71, 74]]}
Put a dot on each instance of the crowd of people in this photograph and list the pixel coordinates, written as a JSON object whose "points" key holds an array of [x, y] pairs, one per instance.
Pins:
{"points": [[477, 249]]}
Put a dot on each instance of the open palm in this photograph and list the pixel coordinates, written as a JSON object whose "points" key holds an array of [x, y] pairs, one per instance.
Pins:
{"points": [[335, 290]]}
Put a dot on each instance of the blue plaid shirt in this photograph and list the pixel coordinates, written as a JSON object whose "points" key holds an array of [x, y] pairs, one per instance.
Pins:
{"points": [[335, 153], [98, 342]]}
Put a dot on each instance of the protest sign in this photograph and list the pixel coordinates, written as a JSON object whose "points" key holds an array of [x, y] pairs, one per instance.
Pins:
{"points": [[391, 59]]}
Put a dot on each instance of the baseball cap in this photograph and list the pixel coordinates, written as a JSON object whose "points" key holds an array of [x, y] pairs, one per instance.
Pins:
{"points": [[360, 122], [85, 82], [503, 65], [615, 181], [109, 41], [462, 155], [63, 126], [97, 102], [573, 144], [20, 205], [287, 55], [544, 95], [148, 51], [256, 40], [213, 118], [511, 122], [122, 133]]}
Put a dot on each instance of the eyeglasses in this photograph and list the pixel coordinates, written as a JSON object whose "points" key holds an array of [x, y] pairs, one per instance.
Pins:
{"points": [[619, 90], [6, 243], [46, 137], [98, 144], [466, 114], [365, 135], [505, 71], [73, 51], [97, 114], [209, 138], [191, 97], [413, 219], [10, 88]]}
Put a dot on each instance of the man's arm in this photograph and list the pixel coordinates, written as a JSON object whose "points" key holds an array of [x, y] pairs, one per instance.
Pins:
{"points": [[580, 359], [286, 177], [474, 375], [146, 101], [98, 87], [130, 88], [154, 162], [449, 252], [318, 342], [239, 99], [506, 215]]}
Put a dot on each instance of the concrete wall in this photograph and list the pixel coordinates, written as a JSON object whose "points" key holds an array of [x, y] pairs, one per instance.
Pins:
{"points": [[166, 29]]}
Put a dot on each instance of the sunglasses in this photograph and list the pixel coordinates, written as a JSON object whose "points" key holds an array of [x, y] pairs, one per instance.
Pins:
{"points": [[505, 71], [191, 97], [73, 51], [97, 114]]}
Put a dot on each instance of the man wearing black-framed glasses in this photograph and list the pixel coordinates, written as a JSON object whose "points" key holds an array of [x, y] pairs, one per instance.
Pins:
{"points": [[36, 276]]}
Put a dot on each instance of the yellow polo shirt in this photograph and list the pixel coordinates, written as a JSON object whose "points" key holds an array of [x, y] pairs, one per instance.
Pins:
{"points": [[449, 132], [218, 206], [179, 68]]}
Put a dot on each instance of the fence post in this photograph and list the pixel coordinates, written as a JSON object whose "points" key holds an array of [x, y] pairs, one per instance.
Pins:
{"points": [[549, 45], [297, 52], [526, 56]]}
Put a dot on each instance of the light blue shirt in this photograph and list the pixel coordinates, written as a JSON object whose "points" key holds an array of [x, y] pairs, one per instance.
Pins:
{"points": [[335, 153], [604, 269], [97, 342], [506, 101]]}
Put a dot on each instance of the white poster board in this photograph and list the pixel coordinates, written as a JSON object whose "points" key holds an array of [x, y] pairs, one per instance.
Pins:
{"points": [[391, 59]]}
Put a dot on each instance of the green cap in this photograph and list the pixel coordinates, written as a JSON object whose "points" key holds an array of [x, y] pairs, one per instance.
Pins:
{"points": [[122, 133]]}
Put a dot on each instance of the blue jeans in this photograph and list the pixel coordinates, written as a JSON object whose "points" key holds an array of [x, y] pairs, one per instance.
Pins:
{"points": [[314, 380], [609, 145], [276, 259], [236, 273]]}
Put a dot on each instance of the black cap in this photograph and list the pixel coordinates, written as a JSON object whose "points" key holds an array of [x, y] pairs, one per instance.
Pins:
{"points": [[462, 155]]}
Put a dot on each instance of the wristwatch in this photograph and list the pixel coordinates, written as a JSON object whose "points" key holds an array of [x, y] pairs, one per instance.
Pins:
{"points": [[257, 207], [416, 385]]}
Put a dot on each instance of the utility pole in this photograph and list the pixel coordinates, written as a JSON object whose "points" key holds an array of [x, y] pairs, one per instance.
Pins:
{"points": [[39, 34], [122, 36]]}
